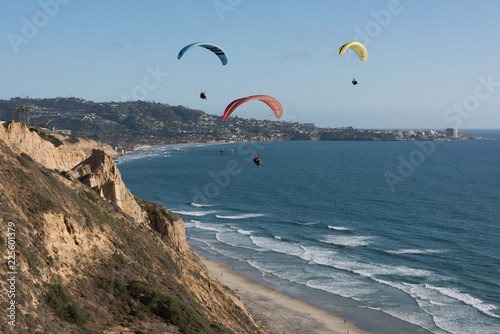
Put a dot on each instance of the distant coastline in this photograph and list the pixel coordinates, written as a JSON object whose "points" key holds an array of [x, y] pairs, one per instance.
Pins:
{"points": [[137, 124], [128, 150]]}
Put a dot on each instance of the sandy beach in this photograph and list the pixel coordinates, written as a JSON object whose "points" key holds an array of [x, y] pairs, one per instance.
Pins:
{"points": [[278, 312]]}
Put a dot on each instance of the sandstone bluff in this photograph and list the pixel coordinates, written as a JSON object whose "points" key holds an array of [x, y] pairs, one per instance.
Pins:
{"points": [[92, 258]]}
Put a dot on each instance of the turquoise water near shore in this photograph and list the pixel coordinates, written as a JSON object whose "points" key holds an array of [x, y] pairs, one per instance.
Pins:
{"points": [[400, 237]]}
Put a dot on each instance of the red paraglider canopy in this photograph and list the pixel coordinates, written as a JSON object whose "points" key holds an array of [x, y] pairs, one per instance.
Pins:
{"points": [[270, 101]]}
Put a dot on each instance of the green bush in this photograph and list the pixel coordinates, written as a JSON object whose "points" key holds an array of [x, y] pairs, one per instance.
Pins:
{"points": [[91, 206], [170, 265], [88, 221], [128, 237], [89, 200], [51, 178], [91, 195], [115, 287], [22, 174], [25, 160], [38, 131], [73, 139], [120, 258], [143, 255], [166, 307], [59, 301], [32, 262], [105, 217], [40, 204], [54, 140]]}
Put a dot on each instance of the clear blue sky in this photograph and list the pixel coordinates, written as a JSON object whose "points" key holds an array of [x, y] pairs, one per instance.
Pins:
{"points": [[431, 64]]}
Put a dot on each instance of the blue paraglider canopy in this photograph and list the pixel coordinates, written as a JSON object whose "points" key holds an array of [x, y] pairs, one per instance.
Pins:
{"points": [[212, 47]]}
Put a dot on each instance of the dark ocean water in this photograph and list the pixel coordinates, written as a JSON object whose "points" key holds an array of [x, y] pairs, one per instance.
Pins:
{"points": [[400, 237]]}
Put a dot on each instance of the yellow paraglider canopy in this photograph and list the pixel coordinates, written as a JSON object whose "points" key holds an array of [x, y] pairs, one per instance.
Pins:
{"points": [[356, 47]]}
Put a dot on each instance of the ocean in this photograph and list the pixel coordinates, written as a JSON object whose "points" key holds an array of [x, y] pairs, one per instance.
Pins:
{"points": [[398, 237]]}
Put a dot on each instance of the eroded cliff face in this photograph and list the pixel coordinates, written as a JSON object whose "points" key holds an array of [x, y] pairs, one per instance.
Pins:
{"points": [[86, 265], [63, 157], [167, 223], [100, 173]]}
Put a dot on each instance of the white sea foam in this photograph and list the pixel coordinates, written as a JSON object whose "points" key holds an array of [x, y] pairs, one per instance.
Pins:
{"points": [[375, 271], [320, 255], [242, 216], [338, 228], [435, 303], [241, 231], [352, 241], [277, 245], [446, 306], [208, 227], [195, 213], [190, 224], [466, 299], [343, 284], [236, 240], [415, 251], [306, 223], [196, 205], [316, 255], [370, 270], [203, 241], [129, 157], [339, 283]]}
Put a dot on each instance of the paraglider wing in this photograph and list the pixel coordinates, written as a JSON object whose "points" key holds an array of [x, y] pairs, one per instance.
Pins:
{"points": [[87, 118], [270, 101], [356, 47], [209, 46], [230, 107]]}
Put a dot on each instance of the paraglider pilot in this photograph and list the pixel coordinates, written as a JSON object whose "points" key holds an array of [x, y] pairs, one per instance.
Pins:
{"points": [[203, 96], [257, 160], [354, 82]]}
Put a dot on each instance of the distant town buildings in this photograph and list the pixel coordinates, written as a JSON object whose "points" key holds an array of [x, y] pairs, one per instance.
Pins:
{"points": [[139, 123], [452, 132]]}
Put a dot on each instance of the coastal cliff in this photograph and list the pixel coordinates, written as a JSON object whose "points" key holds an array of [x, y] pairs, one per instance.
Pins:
{"points": [[86, 256], [54, 151], [100, 173]]}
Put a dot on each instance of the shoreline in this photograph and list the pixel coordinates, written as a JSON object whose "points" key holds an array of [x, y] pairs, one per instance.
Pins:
{"points": [[278, 312], [194, 144], [121, 155], [174, 145], [146, 147]]}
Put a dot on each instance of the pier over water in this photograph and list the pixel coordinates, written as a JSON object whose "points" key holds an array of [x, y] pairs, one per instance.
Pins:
{"points": [[180, 152]]}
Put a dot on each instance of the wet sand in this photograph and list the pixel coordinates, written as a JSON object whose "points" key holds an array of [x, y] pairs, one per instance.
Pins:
{"points": [[278, 312]]}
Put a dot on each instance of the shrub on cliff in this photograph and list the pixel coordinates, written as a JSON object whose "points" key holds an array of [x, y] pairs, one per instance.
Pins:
{"points": [[40, 204], [171, 310], [59, 301], [55, 141]]}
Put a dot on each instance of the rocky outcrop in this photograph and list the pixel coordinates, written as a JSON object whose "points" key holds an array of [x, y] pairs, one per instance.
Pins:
{"points": [[100, 173], [94, 168], [41, 148], [167, 223]]}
